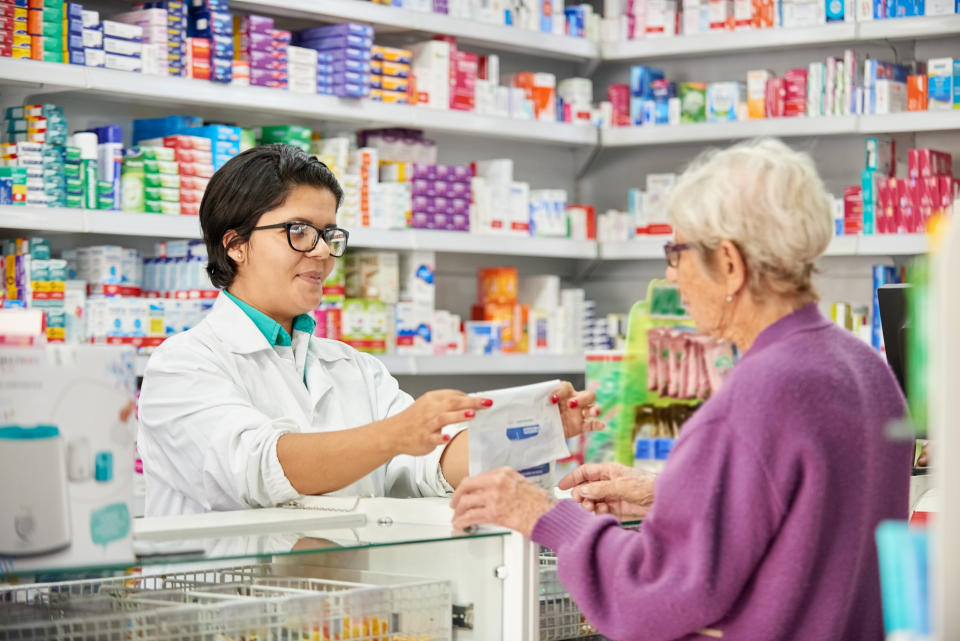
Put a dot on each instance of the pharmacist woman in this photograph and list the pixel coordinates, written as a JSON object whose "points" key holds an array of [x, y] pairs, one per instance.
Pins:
{"points": [[762, 525], [248, 409]]}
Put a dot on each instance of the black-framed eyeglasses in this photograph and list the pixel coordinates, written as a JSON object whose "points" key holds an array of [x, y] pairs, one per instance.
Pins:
{"points": [[673, 251], [303, 237]]}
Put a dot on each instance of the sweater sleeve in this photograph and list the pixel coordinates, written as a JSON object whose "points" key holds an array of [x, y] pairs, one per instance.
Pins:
{"points": [[714, 516]]}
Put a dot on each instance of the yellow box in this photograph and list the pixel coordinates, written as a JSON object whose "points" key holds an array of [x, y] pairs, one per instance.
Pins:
{"points": [[20, 52]]}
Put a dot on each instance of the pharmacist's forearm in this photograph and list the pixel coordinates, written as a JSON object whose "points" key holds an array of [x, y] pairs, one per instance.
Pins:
{"points": [[455, 461], [321, 463]]}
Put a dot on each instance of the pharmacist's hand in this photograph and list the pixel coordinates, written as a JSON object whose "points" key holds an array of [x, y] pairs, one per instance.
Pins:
{"points": [[610, 488], [416, 430], [577, 410], [500, 497]]}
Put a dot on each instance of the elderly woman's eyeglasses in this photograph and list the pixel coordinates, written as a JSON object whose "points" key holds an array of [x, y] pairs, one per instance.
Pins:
{"points": [[303, 237], [673, 251]]}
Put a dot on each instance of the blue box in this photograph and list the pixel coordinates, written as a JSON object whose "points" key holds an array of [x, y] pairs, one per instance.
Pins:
{"points": [[956, 83], [75, 25], [338, 42], [342, 29], [203, 24], [641, 79], [351, 90], [347, 64], [221, 46], [75, 42], [74, 10], [209, 5], [940, 89], [336, 55], [834, 10], [221, 70]]}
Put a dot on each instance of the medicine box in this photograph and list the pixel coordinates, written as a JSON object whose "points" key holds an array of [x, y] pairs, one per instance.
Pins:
{"points": [[70, 414]]}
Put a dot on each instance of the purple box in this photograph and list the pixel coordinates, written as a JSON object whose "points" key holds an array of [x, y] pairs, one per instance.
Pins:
{"points": [[459, 190], [342, 29], [268, 59], [460, 205], [421, 187], [444, 172], [461, 173], [422, 203], [441, 220], [349, 64], [440, 186], [338, 42], [461, 221], [420, 219], [258, 24], [281, 35], [332, 56], [324, 69], [441, 203], [272, 84], [351, 91], [259, 76], [423, 171], [258, 42], [350, 78]]}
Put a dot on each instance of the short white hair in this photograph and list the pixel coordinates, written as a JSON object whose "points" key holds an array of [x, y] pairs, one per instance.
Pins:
{"points": [[768, 200]]}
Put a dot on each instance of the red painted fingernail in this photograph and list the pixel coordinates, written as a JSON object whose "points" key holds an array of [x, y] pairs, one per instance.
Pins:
{"points": [[554, 399], [573, 403], [598, 411], [446, 437], [487, 402], [469, 413]]}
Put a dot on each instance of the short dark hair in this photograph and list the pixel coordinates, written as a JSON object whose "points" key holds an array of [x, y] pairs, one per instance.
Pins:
{"points": [[247, 186]]}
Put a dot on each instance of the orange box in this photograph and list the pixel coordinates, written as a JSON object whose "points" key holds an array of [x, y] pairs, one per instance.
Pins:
{"points": [[35, 22], [497, 285], [510, 317], [917, 93], [525, 81]]}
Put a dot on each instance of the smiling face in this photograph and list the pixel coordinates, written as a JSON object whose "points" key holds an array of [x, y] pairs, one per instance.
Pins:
{"points": [[702, 291], [271, 276]]}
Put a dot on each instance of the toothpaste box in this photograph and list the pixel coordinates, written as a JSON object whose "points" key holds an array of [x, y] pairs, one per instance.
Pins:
{"points": [[122, 63], [121, 30], [343, 29]]}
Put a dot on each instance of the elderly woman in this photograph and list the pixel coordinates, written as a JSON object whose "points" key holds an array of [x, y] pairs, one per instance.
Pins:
{"points": [[763, 524]]}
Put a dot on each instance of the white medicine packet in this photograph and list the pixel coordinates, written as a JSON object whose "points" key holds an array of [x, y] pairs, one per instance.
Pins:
{"points": [[522, 430]]}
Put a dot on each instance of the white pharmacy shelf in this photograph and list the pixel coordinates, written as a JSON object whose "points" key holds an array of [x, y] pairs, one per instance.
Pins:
{"points": [[117, 223], [651, 248], [387, 19], [727, 42], [466, 365], [232, 101], [912, 121], [731, 42]]}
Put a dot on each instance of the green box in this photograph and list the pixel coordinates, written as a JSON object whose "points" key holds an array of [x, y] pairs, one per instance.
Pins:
{"points": [[72, 154], [53, 30], [53, 13], [285, 133], [152, 206], [161, 180], [162, 193], [76, 202], [104, 202], [165, 154], [53, 56], [72, 172], [693, 101], [104, 188], [161, 167]]}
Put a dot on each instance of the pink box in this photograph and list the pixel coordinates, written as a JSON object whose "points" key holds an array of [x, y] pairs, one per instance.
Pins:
{"points": [[258, 76], [196, 169], [922, 163], [795, 84], [195, 156], [189, 209], [181, 141], [281, 36]]}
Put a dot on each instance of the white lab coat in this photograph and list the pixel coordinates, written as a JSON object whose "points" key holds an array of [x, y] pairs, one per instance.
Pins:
{"points": [[216, 399]]}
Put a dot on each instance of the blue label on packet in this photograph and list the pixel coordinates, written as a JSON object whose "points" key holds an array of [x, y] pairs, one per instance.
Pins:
{"points": [[539, 470], [522, 432]]}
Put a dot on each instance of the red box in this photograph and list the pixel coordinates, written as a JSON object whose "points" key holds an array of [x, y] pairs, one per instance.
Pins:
{"points": [[883, 206], [190, 209], [619, 97], [466, 68], [923, 163], [852, 210], [795, 86], [776, 98], [929, 198], [183, 141], [949, 190]]}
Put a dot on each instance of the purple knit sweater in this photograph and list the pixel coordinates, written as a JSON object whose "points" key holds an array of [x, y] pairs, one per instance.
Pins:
{"points": [[763, 522]]}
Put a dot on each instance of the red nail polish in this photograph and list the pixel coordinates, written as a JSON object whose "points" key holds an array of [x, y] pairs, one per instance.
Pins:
{"points": [[469, 413], [446, 437], [487, 402], [554, 399], [574, 404]]}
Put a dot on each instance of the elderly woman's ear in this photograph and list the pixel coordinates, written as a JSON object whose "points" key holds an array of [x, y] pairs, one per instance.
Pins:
{"points": [[732, 267]]}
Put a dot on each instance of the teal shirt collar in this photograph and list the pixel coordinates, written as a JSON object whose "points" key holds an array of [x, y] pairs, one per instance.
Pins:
{"points": [[271, 329]]}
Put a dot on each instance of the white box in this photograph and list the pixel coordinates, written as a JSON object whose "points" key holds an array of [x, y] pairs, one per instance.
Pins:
{"points": [[891, 97], [122, 63], [122, 30], [413, 327], [301, 56], [418, 278], [373, 275], [66, 498], [540, 292], [431, 65]]}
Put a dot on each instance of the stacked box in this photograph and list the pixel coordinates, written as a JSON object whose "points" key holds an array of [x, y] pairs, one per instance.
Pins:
{"points": [[642, 106], [161, 179], [176, 30], [45, 28], [132, 180], [54, 175], [122, 46], [431, 66], [224, 143], [109, 165], [795, 88], [267, 53], [441, 196], [211, 20], [73, 173], [73, 34], [193, 156], [197, 61], [344, 55], [19, 38], [390, 74], [302, 70], [92, 36], [7, 10], [43, 124], [365, 162], [294, 135], [155, 52]]}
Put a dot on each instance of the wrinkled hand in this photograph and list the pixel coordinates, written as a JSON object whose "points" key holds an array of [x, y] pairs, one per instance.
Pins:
{"points": [[924, 459], [416, 430], [610, 488], [578, 410], [500, 497]]}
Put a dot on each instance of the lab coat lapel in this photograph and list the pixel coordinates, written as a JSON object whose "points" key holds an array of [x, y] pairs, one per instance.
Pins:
{"points": [[235, 328], [319, 380]]}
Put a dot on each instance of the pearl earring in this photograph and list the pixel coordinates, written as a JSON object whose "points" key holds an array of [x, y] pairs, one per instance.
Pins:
{"points": [[729, 298]]}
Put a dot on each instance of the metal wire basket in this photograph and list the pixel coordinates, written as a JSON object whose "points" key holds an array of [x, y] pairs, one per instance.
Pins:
{"points": [[234, 604], [560, 617]]}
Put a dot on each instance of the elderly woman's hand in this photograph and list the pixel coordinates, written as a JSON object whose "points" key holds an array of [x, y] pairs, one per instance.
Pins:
{"points": [[500, 497], [610, 488], [577, 410]]}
